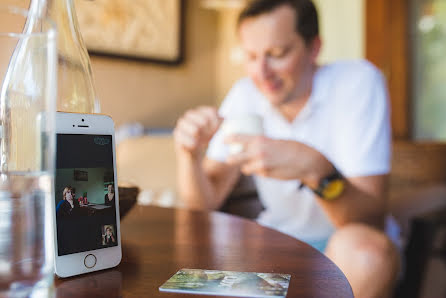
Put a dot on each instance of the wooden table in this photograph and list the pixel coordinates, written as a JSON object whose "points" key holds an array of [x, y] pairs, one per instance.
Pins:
{"points": [[157, 242]]}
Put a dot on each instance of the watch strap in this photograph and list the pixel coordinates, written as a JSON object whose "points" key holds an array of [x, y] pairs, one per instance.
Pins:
{"points": [[331, 186]]}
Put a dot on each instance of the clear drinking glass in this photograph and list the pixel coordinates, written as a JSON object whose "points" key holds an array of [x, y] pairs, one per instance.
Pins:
{"points": [[28, 76]]}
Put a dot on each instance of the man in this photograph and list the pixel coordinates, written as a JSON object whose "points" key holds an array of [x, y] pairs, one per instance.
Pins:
{"points": [[321, 167]]}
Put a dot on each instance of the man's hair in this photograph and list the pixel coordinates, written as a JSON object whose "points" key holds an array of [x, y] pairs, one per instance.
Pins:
{"points": [[306, 15]]}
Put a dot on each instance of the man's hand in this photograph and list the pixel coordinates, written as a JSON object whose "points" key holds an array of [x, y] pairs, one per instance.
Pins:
{"points": [[195, 129], [280, 159], [203, 183]]}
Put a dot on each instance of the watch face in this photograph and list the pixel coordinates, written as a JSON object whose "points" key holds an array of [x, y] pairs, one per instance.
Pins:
{"points": [[333, 189]]}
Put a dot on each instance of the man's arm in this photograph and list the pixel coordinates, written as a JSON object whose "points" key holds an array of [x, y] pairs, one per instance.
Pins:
{"points": [[363, 199], [203, 183]]}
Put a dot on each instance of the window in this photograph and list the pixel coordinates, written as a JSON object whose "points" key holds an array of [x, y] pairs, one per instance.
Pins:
{"points": [[427, 21]]}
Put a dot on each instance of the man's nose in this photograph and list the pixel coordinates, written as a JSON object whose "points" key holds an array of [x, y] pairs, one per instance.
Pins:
{"points": [[263, 69]]}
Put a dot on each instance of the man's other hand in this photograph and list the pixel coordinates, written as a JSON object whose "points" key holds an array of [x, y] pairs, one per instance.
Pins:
{"points": [[195, 129], [279, 159]]}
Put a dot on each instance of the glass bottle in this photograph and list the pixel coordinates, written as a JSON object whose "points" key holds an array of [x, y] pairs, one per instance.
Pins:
{"points": [[76, 91]]}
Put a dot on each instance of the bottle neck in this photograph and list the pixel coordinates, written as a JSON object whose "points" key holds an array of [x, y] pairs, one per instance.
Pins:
{"points": [[62, 12], [64, 15], [75, 80]]}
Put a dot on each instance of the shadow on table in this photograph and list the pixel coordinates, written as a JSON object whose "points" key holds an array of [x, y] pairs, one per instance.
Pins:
{"points": [[106, 283]]}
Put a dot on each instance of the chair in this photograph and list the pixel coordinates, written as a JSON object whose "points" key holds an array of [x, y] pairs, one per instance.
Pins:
{"points": [[418, 201], [243, 200], [418, 169]]}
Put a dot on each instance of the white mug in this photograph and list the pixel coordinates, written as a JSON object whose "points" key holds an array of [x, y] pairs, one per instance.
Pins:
{"points": [[245, 124]]}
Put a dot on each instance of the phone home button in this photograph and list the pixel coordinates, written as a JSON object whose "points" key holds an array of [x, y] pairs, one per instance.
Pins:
{"points": [[90, 261]]}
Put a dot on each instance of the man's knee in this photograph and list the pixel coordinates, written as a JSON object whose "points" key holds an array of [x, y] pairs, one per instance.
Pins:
{"points": [[361, 247]]}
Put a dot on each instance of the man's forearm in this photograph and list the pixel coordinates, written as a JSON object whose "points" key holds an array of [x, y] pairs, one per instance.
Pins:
{"points": [[357, 204], [194, 186], [362, 200]]}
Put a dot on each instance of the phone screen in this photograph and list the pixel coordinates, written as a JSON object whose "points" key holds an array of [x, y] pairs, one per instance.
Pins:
{"points": [[85, 193]]}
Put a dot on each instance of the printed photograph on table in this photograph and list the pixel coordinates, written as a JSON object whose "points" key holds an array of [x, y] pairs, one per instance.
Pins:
{"points": [[228, 283]]}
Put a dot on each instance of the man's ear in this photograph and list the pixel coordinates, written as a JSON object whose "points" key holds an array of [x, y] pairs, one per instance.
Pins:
{"points": [[315, 48]]}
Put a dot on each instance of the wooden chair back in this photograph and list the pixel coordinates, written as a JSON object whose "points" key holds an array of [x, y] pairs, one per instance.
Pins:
{"points": [[417, 168]]}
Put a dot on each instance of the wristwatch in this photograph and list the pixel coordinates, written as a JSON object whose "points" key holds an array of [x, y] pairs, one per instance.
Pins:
{"points": [[331, 186]]}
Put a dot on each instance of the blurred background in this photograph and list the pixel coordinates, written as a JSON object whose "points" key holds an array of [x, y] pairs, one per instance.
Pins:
{"points": [[156, 95], [154, 59]]}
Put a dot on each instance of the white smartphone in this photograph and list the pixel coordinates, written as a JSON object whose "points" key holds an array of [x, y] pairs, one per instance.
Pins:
{"points": [[86, 214]]}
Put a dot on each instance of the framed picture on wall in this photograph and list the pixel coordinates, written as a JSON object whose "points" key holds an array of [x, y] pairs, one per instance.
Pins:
{"points": [[79, 175], [151, 30]]}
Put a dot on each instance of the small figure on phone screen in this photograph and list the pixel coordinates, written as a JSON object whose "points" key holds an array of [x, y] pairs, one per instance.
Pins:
{"points": [[68, 205], [108, 238], [109, 198]]}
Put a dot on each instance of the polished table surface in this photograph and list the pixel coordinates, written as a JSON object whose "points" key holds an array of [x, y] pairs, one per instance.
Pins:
{"points": [[157, 242]]}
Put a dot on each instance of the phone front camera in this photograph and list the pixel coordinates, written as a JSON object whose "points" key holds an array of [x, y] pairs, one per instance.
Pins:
{"points": [[83, 120]]}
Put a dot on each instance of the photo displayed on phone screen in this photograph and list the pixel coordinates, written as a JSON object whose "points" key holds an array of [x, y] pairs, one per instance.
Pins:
{"points": [[85, 193]]}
